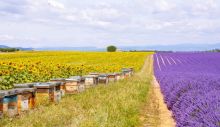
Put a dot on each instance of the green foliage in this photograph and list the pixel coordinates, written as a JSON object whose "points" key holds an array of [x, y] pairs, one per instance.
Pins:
{"points": [[111, 48], [8, 49], [24, 67], [215, 50]]}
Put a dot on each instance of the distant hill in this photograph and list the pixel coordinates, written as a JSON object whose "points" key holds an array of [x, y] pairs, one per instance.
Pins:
{"points": [[72, 48], [24, 49], [3, 46], [20, 48]]}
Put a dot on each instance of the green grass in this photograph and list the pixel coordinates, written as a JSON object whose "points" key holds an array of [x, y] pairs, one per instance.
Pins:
{"points": [[114, 105]]}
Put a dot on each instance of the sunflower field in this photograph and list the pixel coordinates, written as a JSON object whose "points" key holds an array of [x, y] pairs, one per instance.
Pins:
{"points": [[24, 67]]}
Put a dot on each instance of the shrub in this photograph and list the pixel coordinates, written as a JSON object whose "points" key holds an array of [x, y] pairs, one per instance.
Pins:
{"points": [[111, 48]]}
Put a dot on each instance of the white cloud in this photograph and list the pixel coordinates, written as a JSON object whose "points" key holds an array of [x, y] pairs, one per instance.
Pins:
{"points": [[164, 5], [98, 21], [6, 37], [56, 4]]}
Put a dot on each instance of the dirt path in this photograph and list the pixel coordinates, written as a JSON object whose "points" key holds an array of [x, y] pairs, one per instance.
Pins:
{"points": [[165, 115], [155, 113]]}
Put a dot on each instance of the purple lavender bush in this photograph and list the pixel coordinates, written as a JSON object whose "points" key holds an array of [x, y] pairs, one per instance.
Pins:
{"points": [[190, 83]]}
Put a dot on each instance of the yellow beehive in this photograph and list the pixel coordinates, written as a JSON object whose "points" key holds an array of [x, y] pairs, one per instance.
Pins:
{"points": [[48, 91]]}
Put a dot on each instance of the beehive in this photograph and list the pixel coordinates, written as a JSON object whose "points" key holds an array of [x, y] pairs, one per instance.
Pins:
{"points": [[8, 105], [112, 77], [1, 104], [119, 76], [58, 93], [103, 79], [132, 71], [74, 85], [26, 99], [47, 90], [62, 85], [128, 72], [90, 80]]}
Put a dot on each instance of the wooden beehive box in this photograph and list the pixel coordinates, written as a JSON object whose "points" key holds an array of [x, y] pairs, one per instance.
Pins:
{"points": [[90, 80], [26, 99], [46, 90], [62, 82], [119, 76], [128, 72], [8, 105], [112, 77], [103, 79], [1, 104], [132, 71], [74, 85]]}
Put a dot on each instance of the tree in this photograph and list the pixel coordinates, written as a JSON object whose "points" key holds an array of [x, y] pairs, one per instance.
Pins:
{"points": [[111, 48], [9, 49]]}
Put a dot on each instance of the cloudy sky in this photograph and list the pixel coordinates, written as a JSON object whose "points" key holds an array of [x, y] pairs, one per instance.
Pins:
{"points": [[54, 23]]}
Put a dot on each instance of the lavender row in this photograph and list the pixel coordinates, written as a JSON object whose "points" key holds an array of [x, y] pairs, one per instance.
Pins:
{"points": [[190, 83]]}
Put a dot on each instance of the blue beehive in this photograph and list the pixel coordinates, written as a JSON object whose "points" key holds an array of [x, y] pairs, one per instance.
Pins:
{"points": [[1, 104], [9, 102]]}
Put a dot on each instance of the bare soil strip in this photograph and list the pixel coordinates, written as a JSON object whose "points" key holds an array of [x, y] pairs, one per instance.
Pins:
{"points": [[155, 113]]}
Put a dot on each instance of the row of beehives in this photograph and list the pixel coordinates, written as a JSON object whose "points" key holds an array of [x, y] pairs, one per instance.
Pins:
{"points": [[23, 97]]}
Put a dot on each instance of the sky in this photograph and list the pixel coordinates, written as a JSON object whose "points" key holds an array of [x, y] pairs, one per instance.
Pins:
{"points": [[75, 23]]}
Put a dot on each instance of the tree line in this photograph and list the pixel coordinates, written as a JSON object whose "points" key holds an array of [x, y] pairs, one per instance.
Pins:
{"points": [[9, 49]]}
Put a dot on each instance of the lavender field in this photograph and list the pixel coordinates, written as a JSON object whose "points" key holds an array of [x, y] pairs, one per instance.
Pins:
{"points": [[190, 83]]}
